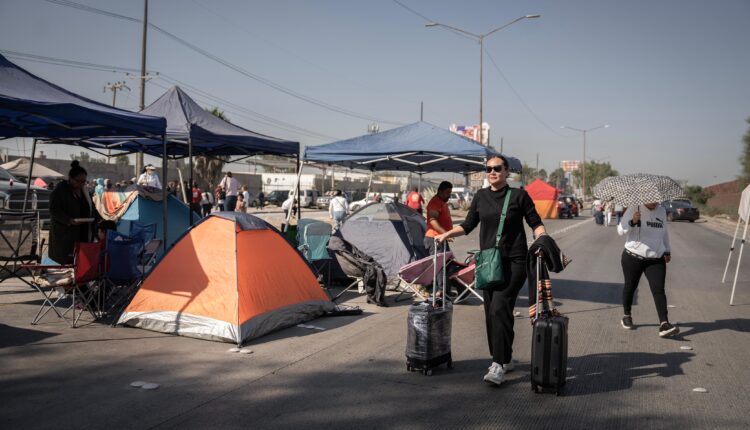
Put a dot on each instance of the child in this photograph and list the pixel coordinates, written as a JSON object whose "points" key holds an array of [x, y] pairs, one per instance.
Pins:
{"points": [[240, 203]]}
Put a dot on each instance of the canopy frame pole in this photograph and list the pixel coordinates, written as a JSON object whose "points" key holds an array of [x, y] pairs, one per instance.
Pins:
{"points": [[299, 195], [739, 262], [182, 185], [164, 201], [419, 184], [369, 184], [731, 249], [190, 176], [28, 177]]}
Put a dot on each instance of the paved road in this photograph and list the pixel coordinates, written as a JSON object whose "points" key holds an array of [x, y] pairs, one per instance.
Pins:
{"points": [[352, 375]]}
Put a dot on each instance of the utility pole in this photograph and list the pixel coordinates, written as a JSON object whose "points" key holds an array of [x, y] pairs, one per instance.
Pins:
{"points": [[501, 145], [139, 155], [421, 111], [115, 87]]}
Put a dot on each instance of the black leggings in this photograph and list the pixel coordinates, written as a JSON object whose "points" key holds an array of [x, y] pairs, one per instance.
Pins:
{"points": [[656, 273], [498, 310]]}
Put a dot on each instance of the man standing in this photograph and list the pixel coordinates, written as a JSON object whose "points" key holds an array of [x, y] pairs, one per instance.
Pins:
{"points": [[438, 222], [261, 199], [414, 200], [231, 188], [195, 198], [149, 177]]}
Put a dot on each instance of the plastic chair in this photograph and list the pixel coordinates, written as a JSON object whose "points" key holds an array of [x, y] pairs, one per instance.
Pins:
{"points": [[313, 237], [122, 275]]}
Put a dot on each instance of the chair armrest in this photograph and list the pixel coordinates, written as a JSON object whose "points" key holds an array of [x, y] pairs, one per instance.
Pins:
{"points": [[47, 266]]}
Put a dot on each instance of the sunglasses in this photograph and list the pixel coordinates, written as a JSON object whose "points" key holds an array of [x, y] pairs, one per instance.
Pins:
{"points": [[499, 168]]}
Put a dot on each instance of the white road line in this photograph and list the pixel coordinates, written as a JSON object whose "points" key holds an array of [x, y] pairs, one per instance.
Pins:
{"points": [[556, 234]]}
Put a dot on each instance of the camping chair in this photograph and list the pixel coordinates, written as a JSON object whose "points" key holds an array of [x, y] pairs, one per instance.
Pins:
{"points": [[124, 267], [313, 237], [18, 244], [77, 281], [419, 274]]}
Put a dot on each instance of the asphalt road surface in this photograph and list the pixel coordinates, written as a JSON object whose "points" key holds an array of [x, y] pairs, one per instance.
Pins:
{"points": [[353, 375]]}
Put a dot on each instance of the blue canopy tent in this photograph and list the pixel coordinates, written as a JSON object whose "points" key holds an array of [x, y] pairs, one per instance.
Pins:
{"points": [[420, 148], [191, 130], [32, 107]]}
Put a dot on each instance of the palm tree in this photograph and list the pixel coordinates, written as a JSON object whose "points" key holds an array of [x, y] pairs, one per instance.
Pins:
{"points": [[209, 168]]}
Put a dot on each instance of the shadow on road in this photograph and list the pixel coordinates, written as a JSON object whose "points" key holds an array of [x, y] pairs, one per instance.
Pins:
{"points": [[607, 372], [741, 325], [595, 292], [15, 336]]}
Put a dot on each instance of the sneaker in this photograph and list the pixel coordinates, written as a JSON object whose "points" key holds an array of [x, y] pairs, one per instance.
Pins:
{"points": [[627, 322], [666, 329], [509, 366], [495, 374]]}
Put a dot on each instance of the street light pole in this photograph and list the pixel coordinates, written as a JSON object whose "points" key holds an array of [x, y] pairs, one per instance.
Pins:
{"points": [[583, 164], [480, 38]]}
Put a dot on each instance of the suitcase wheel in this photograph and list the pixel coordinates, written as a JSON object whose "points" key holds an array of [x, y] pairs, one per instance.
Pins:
{"points": [[409, 368], [534, 388], [450, 364], [427, 372]]}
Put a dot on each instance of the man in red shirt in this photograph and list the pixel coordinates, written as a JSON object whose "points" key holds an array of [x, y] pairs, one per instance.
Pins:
{"points": [[414, 200], [438, 222], [195, 198]]}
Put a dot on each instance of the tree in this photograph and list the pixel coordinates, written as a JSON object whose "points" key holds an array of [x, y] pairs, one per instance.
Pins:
{"points": [[122, 160], [595, 172], [528, 174], [697, 194], [745, 158], [86, 158], [542, 174], [557, 179], [209, 168]]}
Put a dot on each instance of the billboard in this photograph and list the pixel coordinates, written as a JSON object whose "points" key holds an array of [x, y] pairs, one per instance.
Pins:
{"points": [[472, 132], [570, 165]]}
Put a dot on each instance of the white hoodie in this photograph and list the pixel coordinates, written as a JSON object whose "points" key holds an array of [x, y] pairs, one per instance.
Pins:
{"points": [[651, 239]]}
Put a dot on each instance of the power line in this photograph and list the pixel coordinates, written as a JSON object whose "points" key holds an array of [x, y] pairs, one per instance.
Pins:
{"points": [[414, 12], [520, 99], [238, 69], [265, 119]]}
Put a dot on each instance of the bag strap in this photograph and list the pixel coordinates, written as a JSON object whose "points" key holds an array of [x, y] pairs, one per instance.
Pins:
{"points": [[502, 218]]}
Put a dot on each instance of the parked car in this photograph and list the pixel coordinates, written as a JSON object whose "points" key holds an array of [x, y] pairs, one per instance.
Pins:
{"points": [[277, 197], [574, 205], [563, 208], [12, 192], [681, 210], [309, 198], [253, 201], [323, 201], [456, 201], [385, 198]]}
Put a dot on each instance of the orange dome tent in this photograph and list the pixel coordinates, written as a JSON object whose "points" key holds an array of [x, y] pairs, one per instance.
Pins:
{"points": [[545, 198], [231, 278]]}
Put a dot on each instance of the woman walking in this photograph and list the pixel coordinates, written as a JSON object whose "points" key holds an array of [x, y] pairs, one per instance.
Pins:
{"points": [[647, 251], [338, 208], [500, 298], [71, 211]]}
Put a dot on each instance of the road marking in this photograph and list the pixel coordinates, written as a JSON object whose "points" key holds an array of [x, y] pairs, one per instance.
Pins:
{"points": [[557, 233]]}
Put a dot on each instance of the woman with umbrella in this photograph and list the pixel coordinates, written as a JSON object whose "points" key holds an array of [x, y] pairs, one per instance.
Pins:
{"points": [[647, 249]]}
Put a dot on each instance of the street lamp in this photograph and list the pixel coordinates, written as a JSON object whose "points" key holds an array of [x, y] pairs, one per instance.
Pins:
{"points": [[583, 166], [480, 38]]}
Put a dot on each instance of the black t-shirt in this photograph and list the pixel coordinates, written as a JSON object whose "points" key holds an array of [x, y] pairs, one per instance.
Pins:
{"points": [[486, 208]]}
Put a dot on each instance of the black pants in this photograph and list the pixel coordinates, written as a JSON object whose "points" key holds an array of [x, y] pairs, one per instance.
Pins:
{"points": [[206, 209], [656, 273], [498, 310]]}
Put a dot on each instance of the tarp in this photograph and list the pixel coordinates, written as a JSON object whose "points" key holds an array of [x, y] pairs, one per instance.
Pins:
{"points": [[231, 278], [210, 135], [391, 233], [33, 107], [744, 209], [544, 196], [20, 169], [420, 147]]}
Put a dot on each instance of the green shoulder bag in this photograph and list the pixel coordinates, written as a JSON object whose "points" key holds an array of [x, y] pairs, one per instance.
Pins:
{"points": [[489, 264]]}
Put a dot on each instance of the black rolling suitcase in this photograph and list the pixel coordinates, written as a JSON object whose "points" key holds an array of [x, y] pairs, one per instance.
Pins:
{"points": [[549, 344], [428, 337]]}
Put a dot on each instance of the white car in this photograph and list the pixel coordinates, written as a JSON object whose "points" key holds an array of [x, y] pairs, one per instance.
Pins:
{"points": [[355, 206]]}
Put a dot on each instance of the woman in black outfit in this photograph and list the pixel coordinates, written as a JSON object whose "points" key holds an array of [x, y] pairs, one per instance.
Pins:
{"points": [[500, 299], [68, 203]]}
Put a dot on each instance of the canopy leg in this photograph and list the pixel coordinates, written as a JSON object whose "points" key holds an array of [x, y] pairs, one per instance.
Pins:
{"points": [[296, 187], [731, 249], [28, 177], [739, 261], [190, 178], [164, 200]]}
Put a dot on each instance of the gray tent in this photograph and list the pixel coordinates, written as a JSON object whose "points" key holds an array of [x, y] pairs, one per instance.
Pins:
{"points": [[20, 169], [391, 233]]}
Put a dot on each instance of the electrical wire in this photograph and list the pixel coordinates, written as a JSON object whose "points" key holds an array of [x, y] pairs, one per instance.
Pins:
{"points": [[225, 63]]}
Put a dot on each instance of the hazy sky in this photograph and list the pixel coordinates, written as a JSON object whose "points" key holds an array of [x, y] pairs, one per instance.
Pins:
{"points": [[670, 77]]}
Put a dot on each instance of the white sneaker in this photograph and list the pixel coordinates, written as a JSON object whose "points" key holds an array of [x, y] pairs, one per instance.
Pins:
{"points": [[495, 374], [509, 366]]}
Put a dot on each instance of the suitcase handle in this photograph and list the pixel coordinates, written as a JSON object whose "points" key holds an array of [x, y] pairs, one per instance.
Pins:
{"points": [[434, 272]]}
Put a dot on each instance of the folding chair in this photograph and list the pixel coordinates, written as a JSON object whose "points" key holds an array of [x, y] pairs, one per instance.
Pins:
{"points": [[465, 278], [313, 237], [419, 274], [122, 275], [76, 281], [19, 239]]}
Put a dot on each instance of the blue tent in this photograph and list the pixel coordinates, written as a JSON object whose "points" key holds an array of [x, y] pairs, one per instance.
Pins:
{"points": [[33, 107], [188, 122], [146, 211], [420, 147]]}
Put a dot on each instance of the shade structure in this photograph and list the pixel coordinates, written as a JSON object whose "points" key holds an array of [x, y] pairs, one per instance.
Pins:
{"points": [[420, 147], [188, 122], [231, 278], [33, 107], [20, 169], [545, 197], [637, 189]]}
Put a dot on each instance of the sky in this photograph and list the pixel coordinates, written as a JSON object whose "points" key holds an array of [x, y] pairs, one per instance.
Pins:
{"points": [[669, 77]]}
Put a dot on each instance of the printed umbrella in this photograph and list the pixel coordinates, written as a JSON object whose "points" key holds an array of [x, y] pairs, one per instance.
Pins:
{"points": [[637, 189]]}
